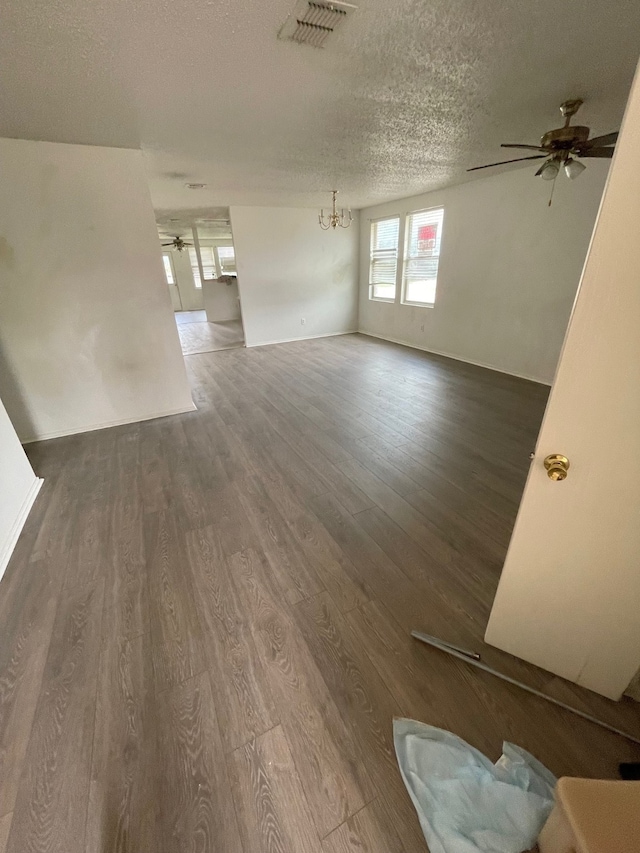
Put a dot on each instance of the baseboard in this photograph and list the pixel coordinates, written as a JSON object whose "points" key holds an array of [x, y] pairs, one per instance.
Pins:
{"points": [[123, 422], [304, 338], [14, 533], [455, 357]]}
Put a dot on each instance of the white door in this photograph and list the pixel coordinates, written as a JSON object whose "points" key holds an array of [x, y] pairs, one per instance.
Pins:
{"points": [[569, 595]]}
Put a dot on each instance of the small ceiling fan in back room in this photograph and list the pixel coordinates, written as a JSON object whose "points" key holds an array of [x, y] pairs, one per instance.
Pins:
{"points": [[177, 243], [563, 147]]}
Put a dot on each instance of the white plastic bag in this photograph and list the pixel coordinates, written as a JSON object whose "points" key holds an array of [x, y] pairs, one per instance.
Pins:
{"points": [[465, 803]]}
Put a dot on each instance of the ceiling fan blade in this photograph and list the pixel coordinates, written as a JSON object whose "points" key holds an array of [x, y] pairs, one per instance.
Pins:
{"points": [[517, 145], [502, 162], [596, 152], [168, 244], [597, 141]]}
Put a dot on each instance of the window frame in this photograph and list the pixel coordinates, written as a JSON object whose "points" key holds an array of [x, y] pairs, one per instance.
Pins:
{"points": [[225, 244], [371, 285], [212, 244], [405, 257], [173, 283], [195, 270]]}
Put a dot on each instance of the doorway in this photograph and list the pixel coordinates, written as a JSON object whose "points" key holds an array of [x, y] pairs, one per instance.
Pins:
{"points": [[200, 268]]}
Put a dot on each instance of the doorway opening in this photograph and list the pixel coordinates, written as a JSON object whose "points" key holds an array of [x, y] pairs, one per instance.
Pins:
{"points": [[200, 268]]}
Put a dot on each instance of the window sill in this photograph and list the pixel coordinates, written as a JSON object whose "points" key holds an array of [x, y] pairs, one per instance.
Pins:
{"points": [[381, 299], [419, 304]]}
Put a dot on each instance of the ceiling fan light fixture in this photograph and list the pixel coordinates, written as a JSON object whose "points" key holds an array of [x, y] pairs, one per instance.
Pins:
{"points": [[573, 168], [549, 171]]}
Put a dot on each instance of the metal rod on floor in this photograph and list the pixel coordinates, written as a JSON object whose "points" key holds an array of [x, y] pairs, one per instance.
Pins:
{"points": [[464, 656], [441, 644]]}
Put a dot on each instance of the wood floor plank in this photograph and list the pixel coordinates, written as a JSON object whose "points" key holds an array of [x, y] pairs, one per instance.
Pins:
{"points": [[88, 557], [325, 470], [429, 469], [339, 575], [364, 701], [322, 746], [459, 529], [154, 469], [123, 813], [293, 571], [369, 831], [382, 577], [461, 596], [323, 564], [354, 684], [176, 636], [27, 617], [51, 805], [378, 417], [196, 810], [52, 540], [273, 813], [126, 601], [233, 527], [377, 463], [244, 700]]}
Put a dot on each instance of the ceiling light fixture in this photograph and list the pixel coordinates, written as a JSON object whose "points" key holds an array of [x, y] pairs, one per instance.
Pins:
{"points": [[312, 22], [335, 218], [573, 168], [549, 172], [195, 186]]}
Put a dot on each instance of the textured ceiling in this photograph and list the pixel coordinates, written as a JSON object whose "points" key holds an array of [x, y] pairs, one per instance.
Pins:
{"points": [[403, 98], [211, 222]]}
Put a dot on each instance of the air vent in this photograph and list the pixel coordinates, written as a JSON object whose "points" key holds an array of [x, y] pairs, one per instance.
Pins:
{"points": [[313, 21]]}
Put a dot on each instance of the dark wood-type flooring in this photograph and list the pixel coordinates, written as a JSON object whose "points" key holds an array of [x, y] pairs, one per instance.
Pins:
{"points": [[205, 624]]}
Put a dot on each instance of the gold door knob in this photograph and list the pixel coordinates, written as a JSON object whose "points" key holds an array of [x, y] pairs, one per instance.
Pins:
{"points": [[557, 467]]}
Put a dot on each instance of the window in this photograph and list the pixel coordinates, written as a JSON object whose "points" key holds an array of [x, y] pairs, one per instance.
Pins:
{"points": [[383, 262], [208, 264], [226, 259], [168, 268], [421, 256]]}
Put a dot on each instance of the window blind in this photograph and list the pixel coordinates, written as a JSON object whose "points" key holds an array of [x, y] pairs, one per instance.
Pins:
{"points": [[208, 264], [227, 258], [422, 256], [384, 258]]}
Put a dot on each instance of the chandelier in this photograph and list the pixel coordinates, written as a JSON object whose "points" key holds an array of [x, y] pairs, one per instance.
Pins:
{"points": [[342, 218]]}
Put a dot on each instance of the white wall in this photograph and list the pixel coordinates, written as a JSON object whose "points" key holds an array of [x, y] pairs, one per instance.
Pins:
{"points": [[509, 269], [18, 488], [87, 333], [569, 594], [221, 300], [289, 269]]}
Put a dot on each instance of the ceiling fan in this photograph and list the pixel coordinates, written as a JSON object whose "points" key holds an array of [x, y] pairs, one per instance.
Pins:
{"points": [[177, 243], [561, 146]]}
